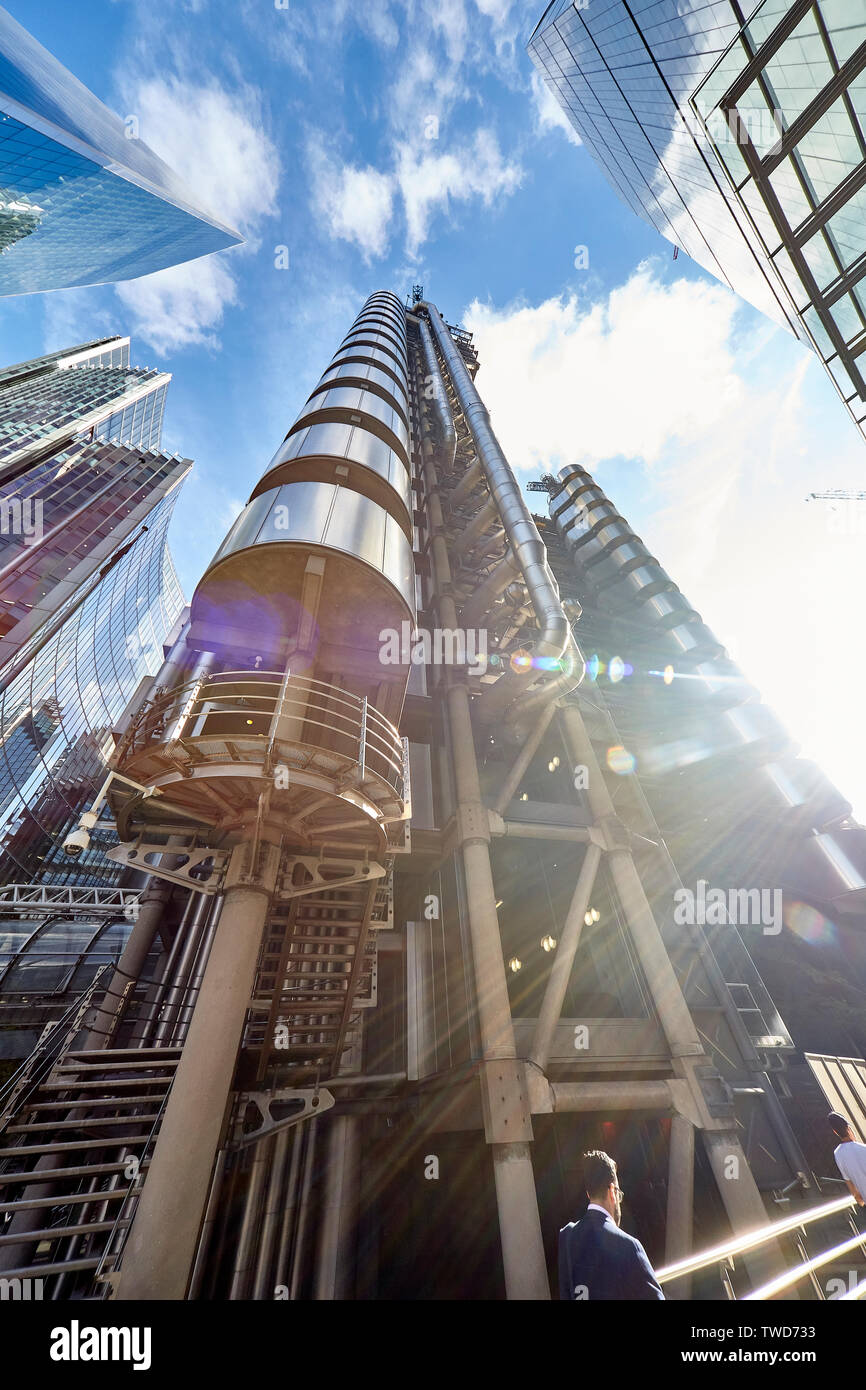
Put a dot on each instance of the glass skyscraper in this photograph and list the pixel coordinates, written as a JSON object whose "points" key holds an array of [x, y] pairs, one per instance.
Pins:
{"points": [[88, 591], [74, 482], [58, 713], [83, 201], [742, 139]]}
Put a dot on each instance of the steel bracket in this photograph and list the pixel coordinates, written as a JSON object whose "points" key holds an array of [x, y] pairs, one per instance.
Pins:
{"points": [[308, 1103], [318, 866], [133, 854]]}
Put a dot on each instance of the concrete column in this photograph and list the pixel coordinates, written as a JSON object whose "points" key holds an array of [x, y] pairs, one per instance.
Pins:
{"points": [[681, 1183], [338, 1217], [743, 1202], [159, 1253], [523, 1259]]}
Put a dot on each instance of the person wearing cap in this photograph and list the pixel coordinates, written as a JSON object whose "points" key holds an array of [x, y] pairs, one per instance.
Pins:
{"points": [[850, 1156]]}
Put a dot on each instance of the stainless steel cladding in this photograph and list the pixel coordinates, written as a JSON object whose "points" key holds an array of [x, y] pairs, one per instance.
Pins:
{"points": [[338, 488]]}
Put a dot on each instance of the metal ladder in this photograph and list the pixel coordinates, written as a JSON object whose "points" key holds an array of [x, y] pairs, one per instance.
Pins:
{"points": [[317, 972]]}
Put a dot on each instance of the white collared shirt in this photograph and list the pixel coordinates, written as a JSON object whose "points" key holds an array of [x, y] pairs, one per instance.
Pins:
{"points": [[593, 1206]]}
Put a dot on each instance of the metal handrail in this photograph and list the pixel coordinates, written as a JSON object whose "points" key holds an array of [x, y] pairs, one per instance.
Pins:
{"points": [[740, 1245], [277, 678], [793, 1276], [272, 695]]}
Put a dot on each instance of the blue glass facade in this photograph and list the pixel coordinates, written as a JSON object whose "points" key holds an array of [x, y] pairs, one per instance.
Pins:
{"points": [[82, 477], [742, 143], [57, 715], [80, 203], [72, 486]]}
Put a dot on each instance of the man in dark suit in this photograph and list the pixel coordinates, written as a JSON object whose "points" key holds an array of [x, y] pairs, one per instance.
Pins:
{"points": [[596, 1259]]}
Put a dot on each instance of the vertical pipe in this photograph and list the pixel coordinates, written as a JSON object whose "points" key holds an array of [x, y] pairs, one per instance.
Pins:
{"points": [[193, 986], [177, 993], [262, 1287], [338, 1218], [178, 946], [245, 1248], [287, 1225], [300, 1250]]}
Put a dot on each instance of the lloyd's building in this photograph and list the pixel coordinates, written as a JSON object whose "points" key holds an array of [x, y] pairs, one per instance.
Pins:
{"points": [[413, 938]]}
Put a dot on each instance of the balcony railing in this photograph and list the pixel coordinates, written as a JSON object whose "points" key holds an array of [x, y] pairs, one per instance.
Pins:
{"points": [[273, 711]]}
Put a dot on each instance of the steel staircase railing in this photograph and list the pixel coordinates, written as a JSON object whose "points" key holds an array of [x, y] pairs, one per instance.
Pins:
{"points": [[724, 1256]]}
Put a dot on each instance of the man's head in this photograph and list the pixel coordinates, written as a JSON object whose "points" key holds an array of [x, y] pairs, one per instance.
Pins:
{"points": [[600, 1181], [840, 1126]]}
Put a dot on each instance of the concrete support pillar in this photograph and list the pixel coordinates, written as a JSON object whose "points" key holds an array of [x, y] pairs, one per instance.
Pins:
{"points": [[162, 1243], [681, 1183], [742, 1199], [338, 1216], [523, 1259]]}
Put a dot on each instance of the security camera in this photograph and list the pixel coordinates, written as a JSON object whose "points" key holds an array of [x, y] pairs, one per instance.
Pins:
{"points": [[80, 838], [76, 842]]}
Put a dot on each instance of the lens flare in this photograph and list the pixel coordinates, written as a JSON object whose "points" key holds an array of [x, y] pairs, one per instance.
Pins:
{"points": [[521, 662], [547, 663], [668, 675], [809, 924], [620, 761], [616, 669], [594, 667]]}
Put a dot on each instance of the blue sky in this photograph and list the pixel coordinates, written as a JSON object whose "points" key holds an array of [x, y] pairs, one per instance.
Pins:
{"points": [[408, 141]]}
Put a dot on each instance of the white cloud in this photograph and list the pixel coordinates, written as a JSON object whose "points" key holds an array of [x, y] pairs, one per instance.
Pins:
{"points": [[624, 368], [356, 202], [180, 307], [549, 115], [430, 182], [214, 140]]}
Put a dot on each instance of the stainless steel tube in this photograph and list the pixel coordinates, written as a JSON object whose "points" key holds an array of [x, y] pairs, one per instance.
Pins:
{"points": [[555, 638]]}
